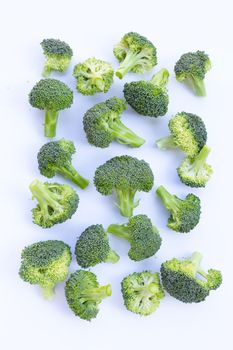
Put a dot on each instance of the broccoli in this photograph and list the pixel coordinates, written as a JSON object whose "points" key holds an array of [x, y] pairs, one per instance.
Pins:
{"points": [[181, 279], [84, 294], [149, 98], [58, 55], [195, 172], [52, 96], [135, 53], [142, 235], [191, 68], [124, 175], [45, 264], [142, 292], [185, 213], [188, 132], [102, 125], [93, 247], [56, 203], [55, 157], [93, 76]]}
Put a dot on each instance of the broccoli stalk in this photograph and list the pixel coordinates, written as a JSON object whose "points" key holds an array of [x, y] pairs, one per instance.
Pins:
{"points": [[166, 143], [50, 123], [126, 202], [48, 291], [71, 173], [130, 61], [120, 231], [96, 294], [160, 78], [171, 202]]}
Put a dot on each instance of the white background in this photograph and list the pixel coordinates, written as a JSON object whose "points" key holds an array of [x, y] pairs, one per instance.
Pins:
{"points": [[92, 28]]}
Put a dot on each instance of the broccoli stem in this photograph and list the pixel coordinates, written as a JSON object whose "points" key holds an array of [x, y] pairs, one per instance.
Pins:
{"points": [[44, 196], [166, 143], [46, 71], [199, 86], [161, 78], [124, 134], [48, 291], [195, 259], [170, 201], [126, 202], [72, 174], [200, 160], [120, 231], [129, 62], [97, 294], [112, 257], [50, 123]]}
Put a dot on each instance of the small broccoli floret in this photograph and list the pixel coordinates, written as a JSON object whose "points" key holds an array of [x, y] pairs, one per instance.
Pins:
{"points": [[149, 98], [185, 213], [102, 125], [52, 96], [142, 292], [188, 132], [45, 264], [58, 55], [124, 175], [135, 53], [84, 294], [56, 203], [192, 68], [142, 235], [181, 279], [56, 157], [93, 76]]}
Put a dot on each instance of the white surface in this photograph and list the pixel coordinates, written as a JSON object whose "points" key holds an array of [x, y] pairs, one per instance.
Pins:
{"points": [[92, 28]]}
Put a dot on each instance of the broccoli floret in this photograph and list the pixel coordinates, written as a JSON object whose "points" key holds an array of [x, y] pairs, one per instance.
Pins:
{"points": [[56, 157], [84, 294], [142, 292], [58, 55], [142, 235], [102, 125], [56, 203], [149, 98], [45, 264], [135, 53], [93, 247], [188, 132], [181, 279], [185, 213], [192, 68], [124, 175], [52, 96], [195, 172], [93, 76]]}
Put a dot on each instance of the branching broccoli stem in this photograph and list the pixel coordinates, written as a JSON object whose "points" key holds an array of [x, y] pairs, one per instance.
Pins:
{"points": [[96, 294], [130, 61], [166, 143], [126, 202], [171, 202]]}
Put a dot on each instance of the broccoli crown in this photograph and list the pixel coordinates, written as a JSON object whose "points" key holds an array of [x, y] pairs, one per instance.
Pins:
{"points": [[142, 292], [93, 76], [45, 263], [93, 247], [181, 279], [84, 294]]}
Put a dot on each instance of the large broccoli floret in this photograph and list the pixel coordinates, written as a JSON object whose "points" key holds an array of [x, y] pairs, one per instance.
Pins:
{"points": [[142, 235], [56, 157], [149, 98], [58, 55], [191, 68], [188, 132], [135, 53], [185, 213], [186, 281], [142, 292], [45, 264], [56, 203], [93, 247], [124, 175], [93, 76], [102, 125], [52, 96], [84, 294]]}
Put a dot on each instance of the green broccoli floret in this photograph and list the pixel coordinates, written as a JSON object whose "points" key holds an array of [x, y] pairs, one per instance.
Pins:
{"points": [[102, 125], [142, 292], [124, 175], [149, 98], [192, 68], [52, 96], [58, 55], [188, 132], [93, 76], [45, 264], [181, 279], [142, 235], [135, 53], [84, 294], [56, 203], [93, 247], [185, 213], [56, 157], [195, 172]]}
